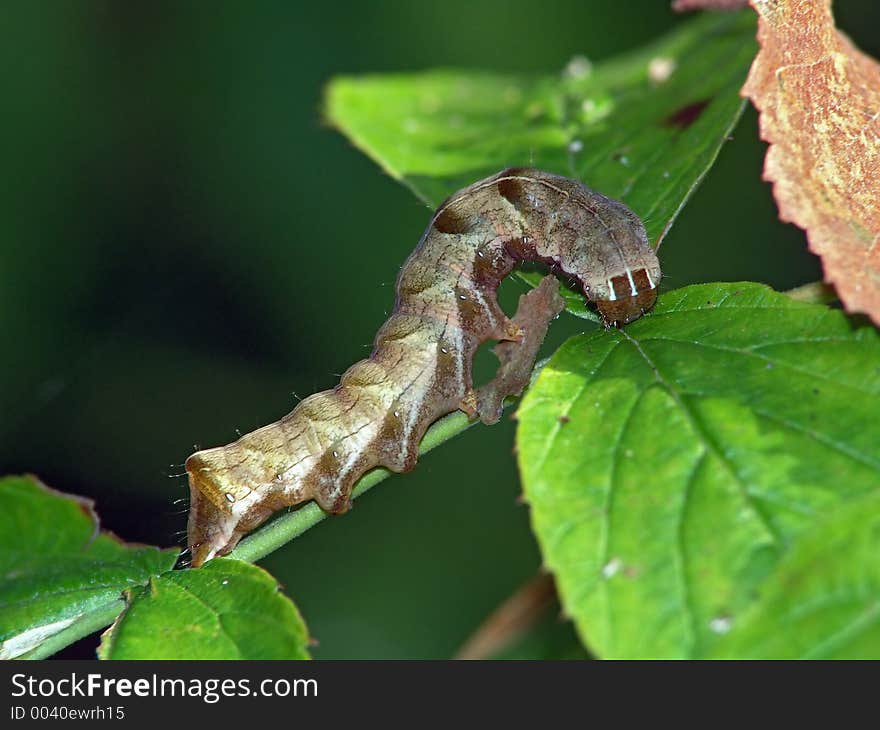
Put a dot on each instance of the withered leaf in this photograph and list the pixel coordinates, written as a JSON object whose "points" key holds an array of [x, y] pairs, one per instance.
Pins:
{"points": [[819, 103]]}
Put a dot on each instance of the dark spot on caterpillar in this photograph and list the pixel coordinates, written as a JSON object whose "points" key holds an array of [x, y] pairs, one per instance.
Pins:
{"points": [[563, 419], [448, 221], [687, 115], [512, 190]]}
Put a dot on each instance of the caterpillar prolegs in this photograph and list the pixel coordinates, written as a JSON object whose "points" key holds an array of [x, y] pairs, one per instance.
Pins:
{"points": [[420, 366]]}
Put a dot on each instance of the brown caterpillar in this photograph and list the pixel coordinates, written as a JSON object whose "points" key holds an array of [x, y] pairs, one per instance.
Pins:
{"points": [[420, 367]]}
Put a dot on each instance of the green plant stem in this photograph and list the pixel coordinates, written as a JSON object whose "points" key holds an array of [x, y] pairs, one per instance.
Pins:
{"points": [[82, 627], [285, 528]]}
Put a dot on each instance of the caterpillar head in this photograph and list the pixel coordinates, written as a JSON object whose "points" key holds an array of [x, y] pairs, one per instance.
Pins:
{"points": [[631, 272], [631, 294]]}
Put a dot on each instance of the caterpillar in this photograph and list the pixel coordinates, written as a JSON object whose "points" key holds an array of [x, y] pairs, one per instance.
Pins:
{"points": [[420, 366]]}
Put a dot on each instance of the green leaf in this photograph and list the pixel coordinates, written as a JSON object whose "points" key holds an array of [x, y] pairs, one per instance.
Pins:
{"points": [[58, 569], [671, 465], [226, 610], [643, 128], [823, 599]]}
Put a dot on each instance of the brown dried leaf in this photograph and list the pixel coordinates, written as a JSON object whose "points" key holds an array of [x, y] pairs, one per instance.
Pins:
{"points": [[819, 101]]}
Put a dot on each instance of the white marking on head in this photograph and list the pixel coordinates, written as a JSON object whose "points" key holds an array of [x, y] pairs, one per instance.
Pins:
{"points": [[632, 285], [612, 295], [650, 280]]}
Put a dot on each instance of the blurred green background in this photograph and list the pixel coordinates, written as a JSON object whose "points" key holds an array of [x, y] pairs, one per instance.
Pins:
{"points": [[185, 246]]}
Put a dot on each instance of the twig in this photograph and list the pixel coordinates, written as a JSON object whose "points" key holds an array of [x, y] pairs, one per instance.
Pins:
{"points": [[86, 624], [510, 620]]}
